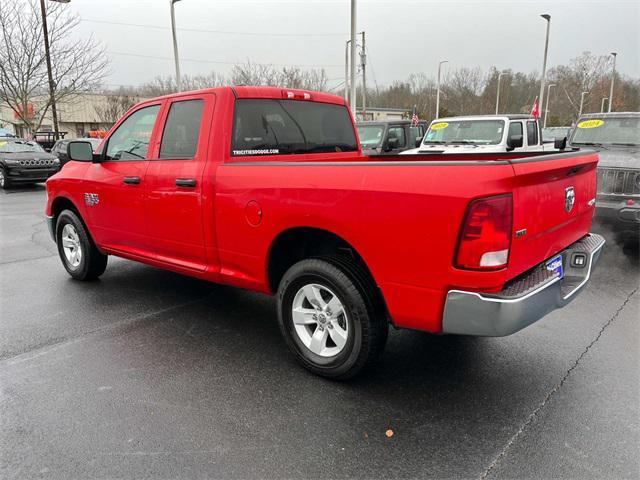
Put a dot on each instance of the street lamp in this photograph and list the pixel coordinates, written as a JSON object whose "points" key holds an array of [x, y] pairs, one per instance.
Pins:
{"points": [[498, 93], [175, 44], [47, 53], [602, 104], [546, 108], [353, 58], [547, 17], [613, 76], [581, 102], [438, 89]]}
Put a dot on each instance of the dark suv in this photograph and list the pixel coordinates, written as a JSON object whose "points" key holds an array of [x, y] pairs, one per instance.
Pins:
{"points": [[389, 137], [24, 161], [616, 137]]}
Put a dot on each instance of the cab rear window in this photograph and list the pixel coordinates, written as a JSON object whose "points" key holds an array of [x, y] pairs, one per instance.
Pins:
{"points": [[283, 127]]}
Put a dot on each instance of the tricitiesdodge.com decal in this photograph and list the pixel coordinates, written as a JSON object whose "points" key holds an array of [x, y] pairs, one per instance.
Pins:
{"points": [[268, 151]]}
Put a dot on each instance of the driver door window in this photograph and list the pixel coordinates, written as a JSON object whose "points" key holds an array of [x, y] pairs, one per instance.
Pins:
{"points": [[131, 140], [398, 133]]}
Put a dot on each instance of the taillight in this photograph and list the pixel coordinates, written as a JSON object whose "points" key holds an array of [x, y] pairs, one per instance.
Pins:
{"points": [[485, 238]]}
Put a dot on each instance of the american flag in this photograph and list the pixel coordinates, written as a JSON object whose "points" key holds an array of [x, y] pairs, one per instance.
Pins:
{"points": [[414, 117]]}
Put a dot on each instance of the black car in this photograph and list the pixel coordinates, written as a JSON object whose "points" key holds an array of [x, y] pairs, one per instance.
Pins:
{"points": [[389, 137], [59, 149], [616, 137], [24, 161]]}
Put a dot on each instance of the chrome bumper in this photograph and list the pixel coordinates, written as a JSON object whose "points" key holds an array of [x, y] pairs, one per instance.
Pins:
{"points": [[51, 227], [525, 299]]}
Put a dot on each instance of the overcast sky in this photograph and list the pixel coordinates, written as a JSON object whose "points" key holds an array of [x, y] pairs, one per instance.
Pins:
{"points": [[402, 36]]}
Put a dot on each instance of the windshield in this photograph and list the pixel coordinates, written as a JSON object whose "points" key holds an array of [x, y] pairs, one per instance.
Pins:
{"points": [[478, 132], [370, 135], [607, 131], [19, 146], [282, 127]]}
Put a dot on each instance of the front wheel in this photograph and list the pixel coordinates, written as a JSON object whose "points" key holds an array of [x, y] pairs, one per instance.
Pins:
{"points": [[79, 255], [329, 318]]}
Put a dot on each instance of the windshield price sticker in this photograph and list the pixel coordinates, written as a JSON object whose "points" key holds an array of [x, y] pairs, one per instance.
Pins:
{"points": [[2, 144], [591, 124], [439, 126]]}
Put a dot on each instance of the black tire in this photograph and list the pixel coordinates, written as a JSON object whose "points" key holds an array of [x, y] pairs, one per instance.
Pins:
{"points": [[367, 325], [92, 262], [5, 183]]}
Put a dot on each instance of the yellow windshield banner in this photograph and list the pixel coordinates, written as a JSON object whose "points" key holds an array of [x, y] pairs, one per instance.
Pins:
{"points": [[2, 144], [439, 126], [591, 124]]}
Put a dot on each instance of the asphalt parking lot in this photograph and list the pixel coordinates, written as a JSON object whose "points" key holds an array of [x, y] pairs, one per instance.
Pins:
{"points": [[147, 374]]}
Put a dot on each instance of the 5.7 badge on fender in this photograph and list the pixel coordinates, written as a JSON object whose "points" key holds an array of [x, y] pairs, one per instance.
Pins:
{"points": [[91, 199]]}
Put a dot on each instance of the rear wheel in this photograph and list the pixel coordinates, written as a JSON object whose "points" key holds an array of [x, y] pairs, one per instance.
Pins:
{"points": [[4, 180], [329, 319], [79, 255]]}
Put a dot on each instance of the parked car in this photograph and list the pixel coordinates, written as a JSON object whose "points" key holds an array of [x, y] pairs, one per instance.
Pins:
{"points": [[389, 137], [483, 134], [59, 149], [616, 137], [24, 161], [550, 134], [268, 189]]}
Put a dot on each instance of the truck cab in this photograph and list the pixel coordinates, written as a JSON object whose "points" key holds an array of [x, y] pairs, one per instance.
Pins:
{"points": [[389, 137], [482, 134]]}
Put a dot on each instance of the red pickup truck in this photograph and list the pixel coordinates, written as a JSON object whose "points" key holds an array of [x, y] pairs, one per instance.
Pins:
{"points": [[267, 189]]}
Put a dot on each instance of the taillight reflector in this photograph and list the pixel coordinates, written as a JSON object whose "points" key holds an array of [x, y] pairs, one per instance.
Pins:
{"points": [[485, 238]]}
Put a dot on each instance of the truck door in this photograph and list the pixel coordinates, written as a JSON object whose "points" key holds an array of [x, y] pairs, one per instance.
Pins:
{"points": [[175, 189], [115, 187]]}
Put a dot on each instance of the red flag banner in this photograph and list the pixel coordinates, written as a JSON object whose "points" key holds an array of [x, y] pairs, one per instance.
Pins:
{"points": [[535, 110]]}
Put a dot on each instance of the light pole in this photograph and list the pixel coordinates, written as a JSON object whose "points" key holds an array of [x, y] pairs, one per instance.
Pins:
{"points": [[353, 58], [581, 102], [47, 53], [613, 76], [175, 44], [547, 17], [346, 70], [546, 108], [438, 89], [602, 104], [498, 93]]}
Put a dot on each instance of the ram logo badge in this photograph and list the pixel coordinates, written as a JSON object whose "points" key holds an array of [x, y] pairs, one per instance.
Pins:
{"points": [[569, 198], [91, 199]]}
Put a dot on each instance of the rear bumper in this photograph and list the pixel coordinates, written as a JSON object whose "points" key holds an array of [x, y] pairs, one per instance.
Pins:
{"points": [[525, 299], [618, 213]]}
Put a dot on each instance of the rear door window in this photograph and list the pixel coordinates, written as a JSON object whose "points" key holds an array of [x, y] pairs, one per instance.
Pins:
{"points": [[182, 130], [281, 127], [532, 133]]}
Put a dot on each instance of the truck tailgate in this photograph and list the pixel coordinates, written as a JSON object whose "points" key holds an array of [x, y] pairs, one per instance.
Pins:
{"points": [[554, 201]]}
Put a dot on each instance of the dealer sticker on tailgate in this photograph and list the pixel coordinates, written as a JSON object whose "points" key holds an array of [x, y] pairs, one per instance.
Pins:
{"points": [[555, 265]]}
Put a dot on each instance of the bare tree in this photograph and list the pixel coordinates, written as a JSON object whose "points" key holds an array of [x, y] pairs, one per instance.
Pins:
{"points": [[78, 65], [115, 105]]}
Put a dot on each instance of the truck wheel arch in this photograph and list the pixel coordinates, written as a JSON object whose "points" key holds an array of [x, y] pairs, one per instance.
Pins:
{"points": [[60, 204], [300, 243]]}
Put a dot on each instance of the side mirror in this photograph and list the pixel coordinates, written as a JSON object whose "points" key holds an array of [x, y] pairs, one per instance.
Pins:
{"points": [[392, 143], [80, 151], [514, 141], [418, 141], [560, 143]]}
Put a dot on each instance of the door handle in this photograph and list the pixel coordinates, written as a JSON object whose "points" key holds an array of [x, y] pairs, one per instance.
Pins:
{"points": [[132, 180], [185, 182]]}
